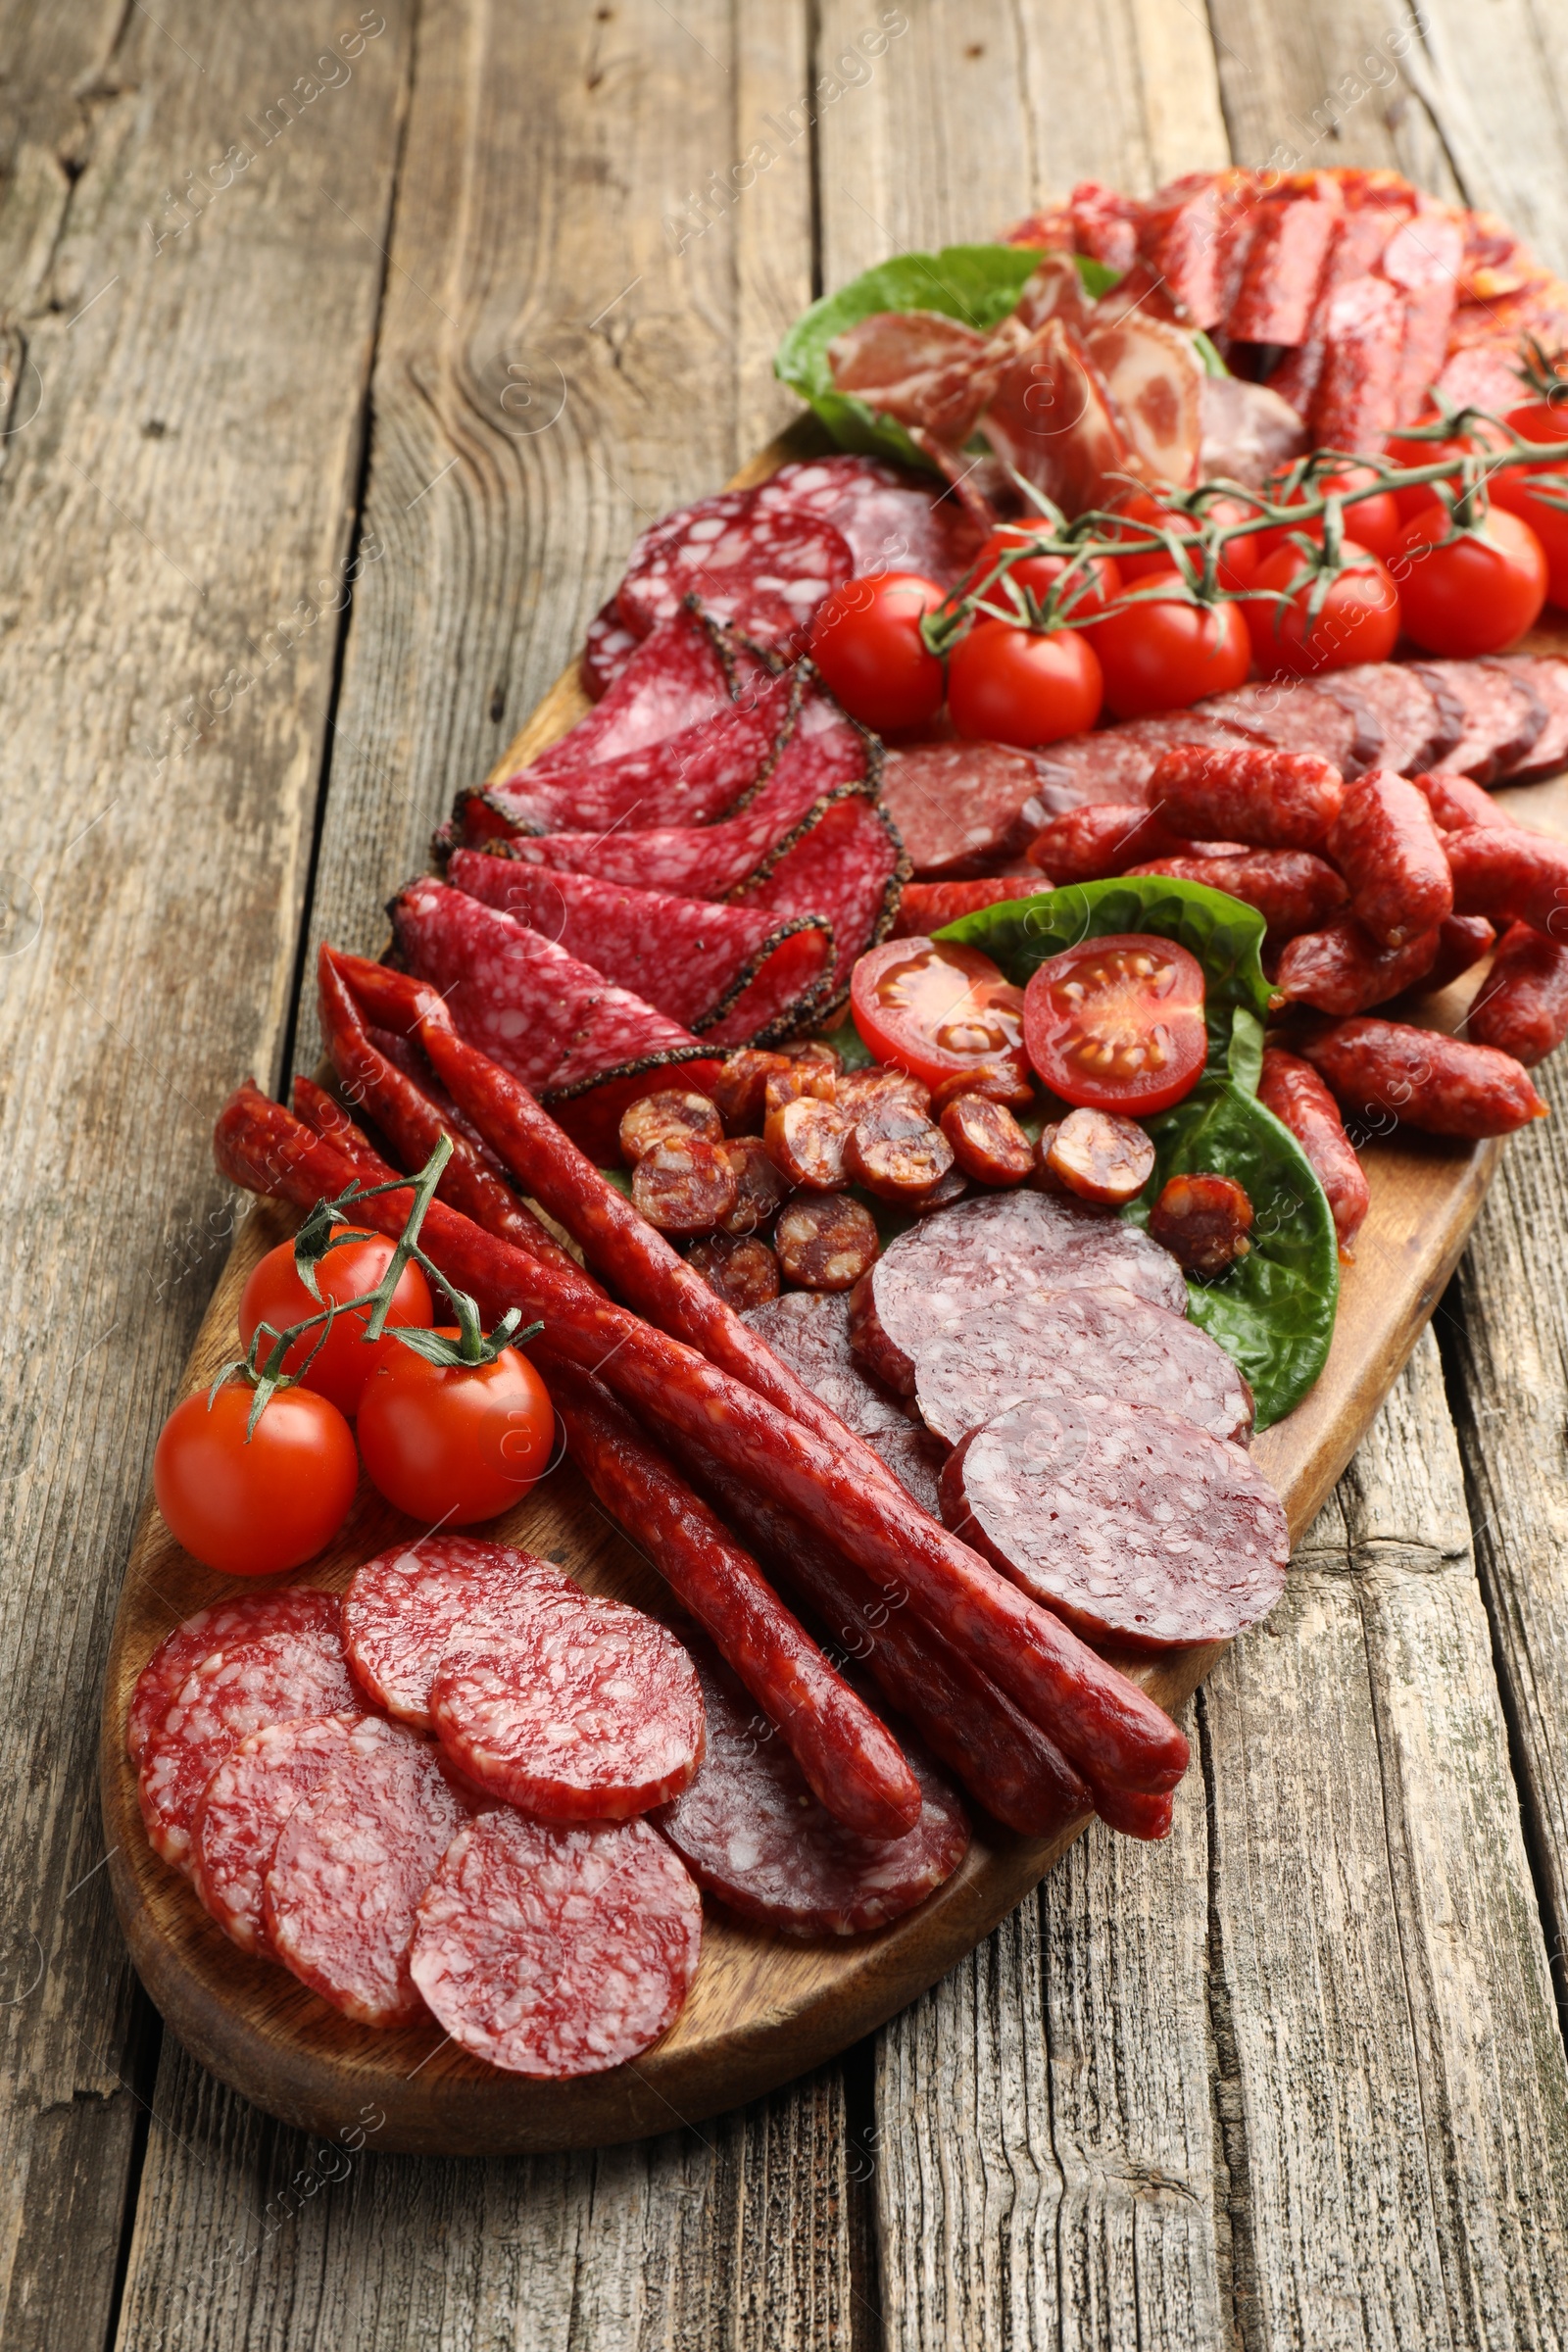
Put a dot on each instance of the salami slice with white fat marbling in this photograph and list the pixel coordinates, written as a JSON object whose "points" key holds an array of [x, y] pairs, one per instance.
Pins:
{"points": [[1504, 717], [608, 647], [588, 1711], [810, 1331], [751, 1832], [247, 1801], [959, 806], [1320, 715], [1001, 1245], [1548, 674], [552, 1951], [404, 1609], [674, 678], [1130, 1524], [1079, 1343], [1115, 763], [1420, 717], [270, 1678], [845, 863], [351, 1863], [761, 570], [302, 1609], [892, 519]]}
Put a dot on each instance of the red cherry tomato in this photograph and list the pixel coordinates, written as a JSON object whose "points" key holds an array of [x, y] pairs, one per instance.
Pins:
{"points": [[1372, 522], [1022, 686], [932, 1007], [1165, 653], [450, 1445], [1359, 620], [1237, 565], [254, 1508], [1519, 488], [1117, 1023], [866, 642], [1094, 582], [1477, 594], [275, 1294], [1401, 451]]}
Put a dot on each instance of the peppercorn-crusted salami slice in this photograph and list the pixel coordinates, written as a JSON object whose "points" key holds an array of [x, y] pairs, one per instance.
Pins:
{"points": [[751, 1832], [590, 1712], [1071, 1344], [1548, 674], [1504, 717], [1319, 715], [301, 1610], [351, 1863], [736, 974], [1123, 1518], [247, 1801], [1421, 719], [959, 806], [892, 519], [553, 1951], [675, 678], [846, 863], [1002, 1245], [762, 570], [270, 1678], [608, 646], [404, 1609]]}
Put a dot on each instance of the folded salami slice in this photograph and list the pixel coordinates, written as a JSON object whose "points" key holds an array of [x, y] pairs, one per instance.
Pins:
{"points": [[892, 519], [1071, 1344], [997, 1247], [1421, 719], [749, 1830], [739, 975], [762, 569], [301, 1610], [270, 1677], [248, 1800], [675, 678], [589, 1711], [556, 1024], [1126, 1520], [1504, 717], [1318, 715], [608, 646], [958, 805], [351, 1863], [555, 1952], [1548, 674], [845, 863], [403, 1610]]}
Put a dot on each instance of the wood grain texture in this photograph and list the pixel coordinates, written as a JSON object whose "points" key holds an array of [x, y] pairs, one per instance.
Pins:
{"points": [[177, 477]]}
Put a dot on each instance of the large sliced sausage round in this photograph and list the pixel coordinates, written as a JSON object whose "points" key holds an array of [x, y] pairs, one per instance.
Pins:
{"points": [[403, 1610], [1130, 1523], [247, 1801], [810, 1331], [1069, 1343], [555, 1952], [302, 1608]]}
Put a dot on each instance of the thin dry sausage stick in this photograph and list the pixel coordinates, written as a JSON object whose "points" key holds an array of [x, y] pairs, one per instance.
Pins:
{"points": [[1101, 1719]]}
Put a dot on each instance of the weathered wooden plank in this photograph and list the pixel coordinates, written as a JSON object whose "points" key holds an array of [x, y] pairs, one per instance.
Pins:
{"points": [[177, 478], [1495, 81]]}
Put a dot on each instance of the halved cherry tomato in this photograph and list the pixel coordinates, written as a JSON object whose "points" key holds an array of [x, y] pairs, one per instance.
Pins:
{"points": [[448, 1443], [254, 1508], [866, 642], [1359, 620], [1237, 565], [1373, 522], [1399, 452], [1520, 489], [1022, 686], [1117, 1023], [933, 1007], [1476, 594], [1095, 580], [275, 1294], [1167, 652]]}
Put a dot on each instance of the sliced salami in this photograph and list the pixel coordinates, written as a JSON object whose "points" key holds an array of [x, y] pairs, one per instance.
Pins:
{"points": [[734, 974], [1420, 719], [892, 519], [555, 1952], [1070, 1343], [1115, 763], [351, 1863], [915, 1459], [845, 863], [590, 1712], [810, 1331], [403, 1610], [301, 1610], [1318, 715], [247, 1801], [1504, 717], [749, 1830], [608, 647], [762, 569], [1548, 674], [959, 806], [998, 1245], [270, 1678], [680, 675], [1126, 1520]]}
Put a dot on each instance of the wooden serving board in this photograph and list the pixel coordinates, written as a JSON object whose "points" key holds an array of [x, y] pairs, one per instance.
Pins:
{"points": [[762, 2009]]}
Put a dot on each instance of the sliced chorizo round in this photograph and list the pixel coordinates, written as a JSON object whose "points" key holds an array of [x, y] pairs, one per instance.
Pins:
{"points": [[825, 1243], [684, 1188]]}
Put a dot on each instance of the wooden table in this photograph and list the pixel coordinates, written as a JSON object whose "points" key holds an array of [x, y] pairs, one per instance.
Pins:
{"points": [[452, 319]]}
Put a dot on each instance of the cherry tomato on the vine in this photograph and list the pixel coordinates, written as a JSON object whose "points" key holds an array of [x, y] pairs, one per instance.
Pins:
{"points": [[866, 642], [275, 1294], [1117, 1023], [1372, 522], [1022, 686], [454, 1443], [935, 1009], [1237, 565], [1476, 592], [1474, 443], [1167, 652], [1531, 491], [1358, 620], [255, 1507], [1096, 579]]}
